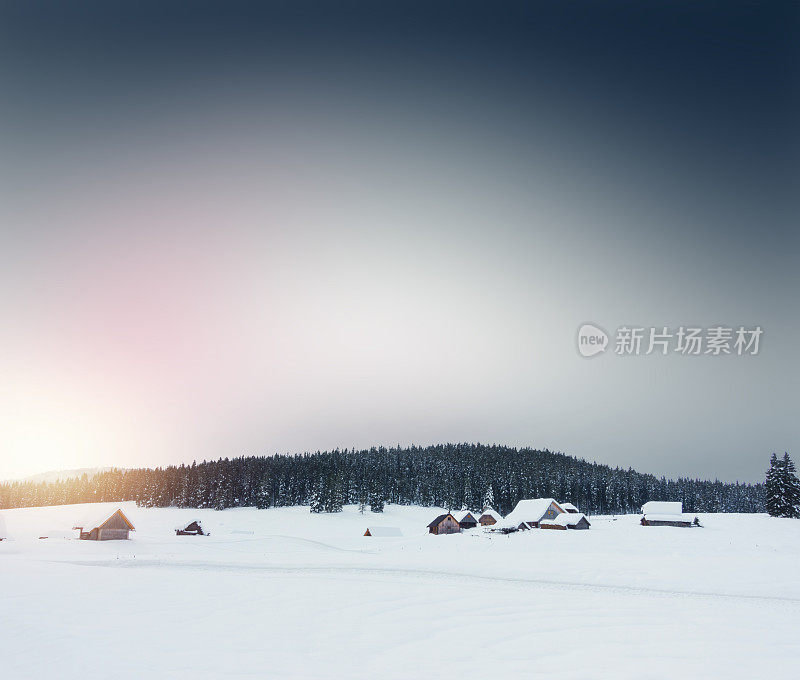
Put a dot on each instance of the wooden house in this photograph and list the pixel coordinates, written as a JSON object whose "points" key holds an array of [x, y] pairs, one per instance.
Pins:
{"points": [[532, 511], [114, 527], [383, 532], [194, 528], [567, 520], [489, 517], [444, 524], [664, 514], [466, 520]]}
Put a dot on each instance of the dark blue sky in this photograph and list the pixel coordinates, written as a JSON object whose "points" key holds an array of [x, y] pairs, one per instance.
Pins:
{"points": [[277, 227]]}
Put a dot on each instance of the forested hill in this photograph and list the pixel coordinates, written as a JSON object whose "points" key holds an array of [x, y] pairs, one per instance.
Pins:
{"points": [[447, 475]]}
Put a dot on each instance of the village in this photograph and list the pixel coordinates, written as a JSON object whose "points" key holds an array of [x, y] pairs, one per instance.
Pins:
{"points": [[528, 514]]}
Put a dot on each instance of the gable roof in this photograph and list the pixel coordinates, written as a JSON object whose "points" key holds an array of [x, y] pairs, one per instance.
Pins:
{"points": [[568, 507], [662, 508], [531, 510], [440, 518], [99, 518], [464, 515], [491, 512], [384, 532], [566, 519], [183, 526]]}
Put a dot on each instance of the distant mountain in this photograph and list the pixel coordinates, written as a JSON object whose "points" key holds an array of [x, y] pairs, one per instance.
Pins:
{"points": [[61, 475]]}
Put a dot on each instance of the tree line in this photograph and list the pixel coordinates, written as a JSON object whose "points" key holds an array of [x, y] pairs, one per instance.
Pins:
{"points": [[454, 476]]}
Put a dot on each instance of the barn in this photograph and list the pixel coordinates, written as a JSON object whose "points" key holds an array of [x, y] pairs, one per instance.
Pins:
{"points": [[444, 524], [466, 520], [489, 517], [194, 528], [114, 527], [383, 532], [664, 514], [567, 520], [534, 510]]}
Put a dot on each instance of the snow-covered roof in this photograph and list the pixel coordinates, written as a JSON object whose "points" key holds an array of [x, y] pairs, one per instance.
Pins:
{"points": [[569, 507], [440, 518], [183, 526], [384, 532], [662, 508], [97, 518], [565, 519], [655, 517], [531, 510], [492, 513]]}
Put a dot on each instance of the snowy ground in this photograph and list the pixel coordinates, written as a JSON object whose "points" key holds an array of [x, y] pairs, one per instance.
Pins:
{"points": [[307, 596]]}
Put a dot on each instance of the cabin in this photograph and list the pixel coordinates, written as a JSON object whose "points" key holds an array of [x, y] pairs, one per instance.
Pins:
{"points": [[444, 524], [466, 520], [569, 507], [489, 517], [114, 527], [567, 520], [194, 528], [664, 514], [383, 532], [534, 510]]}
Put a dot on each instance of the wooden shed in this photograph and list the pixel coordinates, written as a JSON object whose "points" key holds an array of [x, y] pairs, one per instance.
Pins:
{"points": [[194, 528], [115, 527], [489, 517], [466, 520], [664, 514], [567, 520], [444, 524]]}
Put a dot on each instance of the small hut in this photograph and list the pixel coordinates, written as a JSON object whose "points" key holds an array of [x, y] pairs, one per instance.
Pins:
{"points": [[466, 520], [534, 510], [194, 528], [567, 520], [383, 532], [114, 527], [444, 524], [489, 517], [664, 514]]}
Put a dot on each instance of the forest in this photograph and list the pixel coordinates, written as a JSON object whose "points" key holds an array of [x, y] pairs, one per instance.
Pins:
{"points": [[454, 476]]}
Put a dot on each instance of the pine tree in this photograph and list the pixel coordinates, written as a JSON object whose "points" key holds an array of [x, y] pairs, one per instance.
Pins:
{"points": [[488, 498], [772, 483], [792, 487]]}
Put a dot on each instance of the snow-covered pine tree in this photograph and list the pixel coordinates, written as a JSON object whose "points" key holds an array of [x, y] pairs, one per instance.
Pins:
{"points": [[791, 485], [376, 502], [774, 500], [782, 488], [488, 498]]}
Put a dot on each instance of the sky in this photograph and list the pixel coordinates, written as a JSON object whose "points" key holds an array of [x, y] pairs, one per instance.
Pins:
{"points": [[234, 230]]}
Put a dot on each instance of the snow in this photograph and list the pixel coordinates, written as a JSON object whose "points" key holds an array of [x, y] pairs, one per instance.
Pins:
{"points": [[662, 508], [307, 596], [568, 507], [565, 519], [529, 510], [384, 532], [3, 530]]}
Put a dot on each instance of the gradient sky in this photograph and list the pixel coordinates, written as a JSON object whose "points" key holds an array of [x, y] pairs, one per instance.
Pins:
{"points": [[283, 230]]}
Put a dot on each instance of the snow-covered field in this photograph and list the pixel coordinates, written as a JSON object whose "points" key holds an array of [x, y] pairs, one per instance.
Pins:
{"points": [[282, 593]]}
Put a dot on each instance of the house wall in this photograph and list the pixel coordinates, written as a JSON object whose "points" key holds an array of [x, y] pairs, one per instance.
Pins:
{"points": [[447, 526], [113, 534], [488, 521]]}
